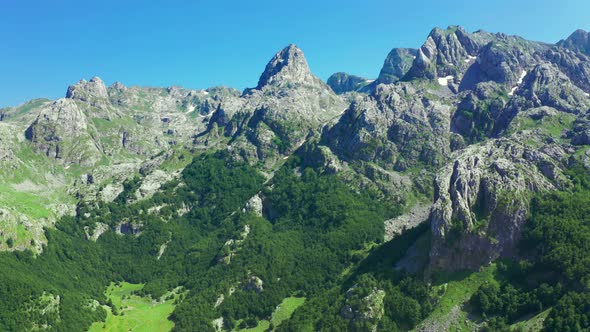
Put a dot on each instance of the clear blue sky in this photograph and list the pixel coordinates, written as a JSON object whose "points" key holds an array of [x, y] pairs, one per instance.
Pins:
{"points": [[48, 44]]}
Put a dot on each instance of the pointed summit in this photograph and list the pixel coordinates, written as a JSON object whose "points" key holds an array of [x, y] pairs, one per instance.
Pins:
{"points": [[287, 66], [93, 92], [95, 88], [445, 52], [396, 65], [579, 41]]}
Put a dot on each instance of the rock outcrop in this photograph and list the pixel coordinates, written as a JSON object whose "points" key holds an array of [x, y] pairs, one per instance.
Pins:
{"points": [[578, 41], [288, 106], [492, 116], [93, 92], [287, 66], [446, 53], [396, 127], [364, 307], [482, 200], [396, 65], [61, 132]]}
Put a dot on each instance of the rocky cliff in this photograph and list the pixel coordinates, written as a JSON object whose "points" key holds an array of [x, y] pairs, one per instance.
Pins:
{"points": [[470, 123]]}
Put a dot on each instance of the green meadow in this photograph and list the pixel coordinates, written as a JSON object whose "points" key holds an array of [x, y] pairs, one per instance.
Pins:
{"points": [[136, 313]]}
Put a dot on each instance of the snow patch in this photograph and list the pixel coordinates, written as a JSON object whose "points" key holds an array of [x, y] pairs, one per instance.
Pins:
{"points": [[511, 93], [369, 81], [444, 81], [520, 79], [205, 92], [470, 58], [587, 94]]}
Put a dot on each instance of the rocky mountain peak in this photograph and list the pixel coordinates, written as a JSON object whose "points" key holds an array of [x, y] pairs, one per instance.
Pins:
{"points": [[443, 53], [88, 90], [579, 41], [396, 65], [287, 66], [118, 86]]}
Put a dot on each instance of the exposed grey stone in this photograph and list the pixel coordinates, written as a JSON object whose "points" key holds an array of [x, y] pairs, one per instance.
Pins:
{"points": [[578, 41]]}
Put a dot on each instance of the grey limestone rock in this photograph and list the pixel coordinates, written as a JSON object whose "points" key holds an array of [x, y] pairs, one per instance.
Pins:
{"points": [[578, 41], [396, 65]]}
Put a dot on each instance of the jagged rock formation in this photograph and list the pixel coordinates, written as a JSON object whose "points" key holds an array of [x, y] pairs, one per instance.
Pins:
{"points": [[396, 65], [484, 85], [287, 107], [93, 92], [93, 121], [484, 116], [446, 53], [481, 200], [288, 66], [396, 127], [61, 132], [458, 136], [578, 41]]}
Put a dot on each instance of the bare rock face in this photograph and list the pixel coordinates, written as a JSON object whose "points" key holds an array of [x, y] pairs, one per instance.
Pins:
{"points": [[288, 106], [580, 134], [287, 66], [396, 127], [254, 205], [578, 41], [482, 198], [396, 65], [546, 85], [415, 217], [445, 53], [574, 64], [60, 131], [93, 92], [93, 121], [479, 110]]}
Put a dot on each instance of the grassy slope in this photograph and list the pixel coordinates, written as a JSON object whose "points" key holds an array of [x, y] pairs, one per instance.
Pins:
{"points": [[135, 313], [281, 313], [452, 292], [534, 323], [30, 191]]}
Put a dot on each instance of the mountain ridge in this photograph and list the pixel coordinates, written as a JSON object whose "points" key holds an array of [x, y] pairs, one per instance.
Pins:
{"points": [[350, 193]]}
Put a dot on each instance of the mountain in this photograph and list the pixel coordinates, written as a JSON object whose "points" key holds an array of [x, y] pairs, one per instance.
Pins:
{"points": [[450, 193], [578, 41], [396, 65], [342, 82]]}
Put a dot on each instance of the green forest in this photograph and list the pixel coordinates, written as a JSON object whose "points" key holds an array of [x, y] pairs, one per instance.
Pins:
{"points": [[319, 239], [556, 270]]}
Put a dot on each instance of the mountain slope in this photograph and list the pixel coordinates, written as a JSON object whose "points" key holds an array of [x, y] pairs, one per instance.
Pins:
{"points": [[420, 200]]}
